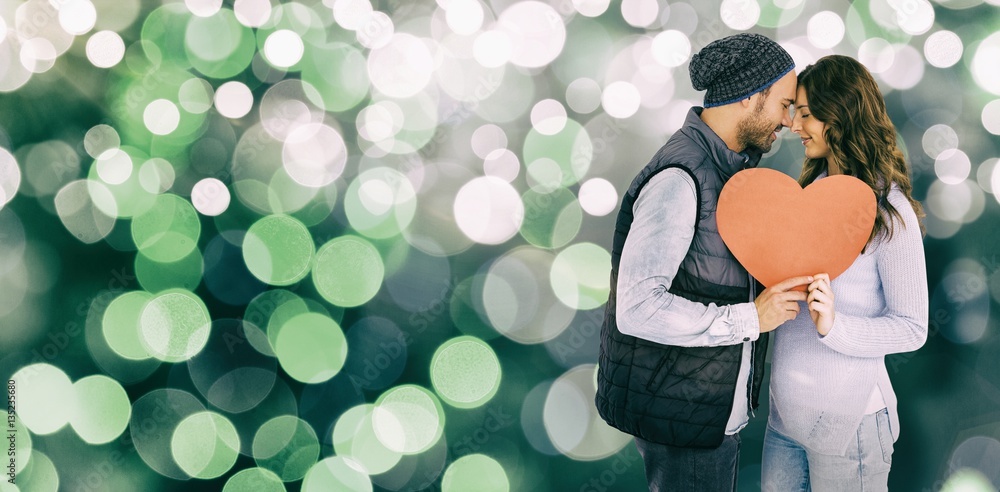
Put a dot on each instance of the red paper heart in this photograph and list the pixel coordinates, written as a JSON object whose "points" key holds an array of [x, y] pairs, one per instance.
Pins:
{"points": [[778, 230]]}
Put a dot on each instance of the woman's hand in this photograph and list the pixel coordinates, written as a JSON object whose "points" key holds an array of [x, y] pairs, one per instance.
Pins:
{"points": [[820, 302]]}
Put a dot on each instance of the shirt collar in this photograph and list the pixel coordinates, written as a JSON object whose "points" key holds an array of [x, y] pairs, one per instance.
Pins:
{"points": [[727, 161]]}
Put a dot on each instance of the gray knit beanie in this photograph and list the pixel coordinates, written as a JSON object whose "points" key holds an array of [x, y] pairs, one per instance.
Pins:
{"points": [[737, 67]]}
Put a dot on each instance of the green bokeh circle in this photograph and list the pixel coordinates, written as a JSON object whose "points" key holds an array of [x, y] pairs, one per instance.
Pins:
{"points": [[570, 149], [102, 409], [219, 46], [174, 325], [205, 445], [348, 271], [120, 325], [287, 446], [311, 348], [475, 472], [168, 231], [155, 276], [551, 220], [254, 480], [278, 250], [465, 372]]}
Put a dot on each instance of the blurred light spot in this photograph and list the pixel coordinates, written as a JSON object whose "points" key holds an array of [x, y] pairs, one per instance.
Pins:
{"points": [[488, 210], [991, 116], [380, 203], [79, 213], [287, 446], [825, 29], [401, 68], [907, 68], [985, 69], [348, 271], [579, 276], [41, 393], [915, 17], [489, 137], [12, 241], [551, 219], [583, 95], [156, 175], [408, 419], [218, 46], [876, 54], [464, 16], [518, 298], [532, 423], [40, 474], [939, 141], [670, 48], [354, 438], [943, 49], [984, 174], [120, 325], [548, 116], [210, 197], [278, 250], [967, 479], [536, 33], [185, 273], [154, 416], [351, 14], [503, 164], [252, 13], [287, 107], [174, 325], [105, 49], [232, 375], [571, 151], [975, 458], [49, 166], [10, 177], [283, 48], [336, 473], [233, 99], [465, 372], [114, 166], [77, 17], [572, 422], [949, 201], [598, 197], [380, 121], [311, 348], [101, 409], [475, 471], [377, 30], [739, 14], [314, 155], [492, 48], [99, 139], [620, 99], [591, 8], [203, 8], [952, 167], [161, 117], [255, 479], [640, 13], [169, 230], [205, 445]]}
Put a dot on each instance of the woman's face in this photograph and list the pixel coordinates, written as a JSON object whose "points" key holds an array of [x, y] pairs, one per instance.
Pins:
{"points": [[809, 128]]}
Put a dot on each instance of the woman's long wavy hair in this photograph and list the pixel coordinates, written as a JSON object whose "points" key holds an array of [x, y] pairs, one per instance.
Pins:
{"points": [[862, 139]]}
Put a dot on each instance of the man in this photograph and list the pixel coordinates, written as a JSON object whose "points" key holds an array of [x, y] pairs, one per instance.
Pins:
{"points": [[682, 351]]}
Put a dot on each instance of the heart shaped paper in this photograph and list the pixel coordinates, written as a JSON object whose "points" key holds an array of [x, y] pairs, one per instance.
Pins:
{"points": [[778, 230]]}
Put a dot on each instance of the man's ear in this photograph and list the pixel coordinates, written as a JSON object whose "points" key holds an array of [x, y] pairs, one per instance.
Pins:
{"points": [[746, 103]]}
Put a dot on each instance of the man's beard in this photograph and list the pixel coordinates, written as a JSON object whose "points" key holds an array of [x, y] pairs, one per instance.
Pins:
{"points": [[755, 131]]}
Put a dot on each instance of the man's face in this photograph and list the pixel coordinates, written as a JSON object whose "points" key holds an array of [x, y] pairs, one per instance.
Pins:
{"points": [[768, 114]]}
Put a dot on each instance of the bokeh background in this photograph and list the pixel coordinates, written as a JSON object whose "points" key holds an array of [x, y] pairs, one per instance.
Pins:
{"points": [[364, 245]]}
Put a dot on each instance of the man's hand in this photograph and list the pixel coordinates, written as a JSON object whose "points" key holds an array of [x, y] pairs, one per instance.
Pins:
{"points": [[779, 303]]}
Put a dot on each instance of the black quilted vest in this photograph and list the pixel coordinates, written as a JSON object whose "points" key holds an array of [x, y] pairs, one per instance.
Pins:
{"points": [[681, 396]]}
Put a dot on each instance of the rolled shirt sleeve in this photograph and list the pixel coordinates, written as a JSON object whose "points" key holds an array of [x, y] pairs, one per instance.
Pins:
{"points": [[664, 216]]}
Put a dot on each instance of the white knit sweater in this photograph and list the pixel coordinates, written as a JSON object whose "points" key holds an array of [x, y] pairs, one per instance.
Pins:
{"points": [[821, 385]]}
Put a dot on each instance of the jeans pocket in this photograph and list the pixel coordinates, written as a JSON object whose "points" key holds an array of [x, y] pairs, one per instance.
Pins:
{"points": [[884, 435]]}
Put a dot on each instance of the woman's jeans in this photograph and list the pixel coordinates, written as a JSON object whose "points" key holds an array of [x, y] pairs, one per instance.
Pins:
{"points": [[787, 466], [670, 468]]}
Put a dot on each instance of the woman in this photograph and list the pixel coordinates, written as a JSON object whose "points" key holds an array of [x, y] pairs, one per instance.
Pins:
{"points": [[833, 416]]}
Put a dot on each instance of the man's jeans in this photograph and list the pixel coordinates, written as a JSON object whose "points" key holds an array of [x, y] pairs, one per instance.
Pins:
{"points": [[670, 468], [788, 467]]}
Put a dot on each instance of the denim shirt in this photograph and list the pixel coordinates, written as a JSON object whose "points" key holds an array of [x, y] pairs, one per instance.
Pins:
{"points": [[665, 213]]}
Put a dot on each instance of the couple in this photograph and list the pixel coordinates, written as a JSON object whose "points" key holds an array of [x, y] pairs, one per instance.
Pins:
{"points": [[685, 330]]}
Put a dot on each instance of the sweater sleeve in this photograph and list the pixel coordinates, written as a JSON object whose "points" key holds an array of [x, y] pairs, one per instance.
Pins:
{"points": [[902, 327], [662, 231]]}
